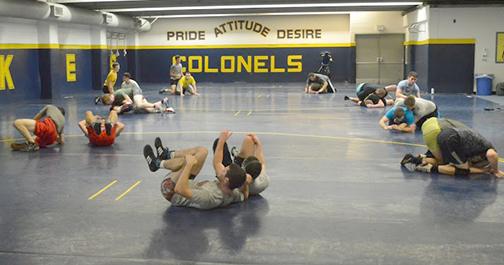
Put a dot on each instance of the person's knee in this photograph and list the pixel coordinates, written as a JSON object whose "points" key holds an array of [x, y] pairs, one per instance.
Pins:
{"points": [[18, 123], [492, 154]]}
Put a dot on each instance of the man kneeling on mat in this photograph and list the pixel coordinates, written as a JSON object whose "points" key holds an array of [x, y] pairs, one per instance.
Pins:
{"points": [[318, 84], [100, 131], [399, 119], [250, 157], [181, 190], [454, 149], [47, 126], [186, 84], [371, 96]]}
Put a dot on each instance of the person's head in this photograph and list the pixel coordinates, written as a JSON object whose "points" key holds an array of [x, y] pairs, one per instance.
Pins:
{"points": [[107, 99], [116, 67], [412, 77], [398, 115], [177, 59], [430, 131], [409, 102], [381, 92], [126, 77], [187, 75], [235, 176], [62, 110], [312, 76], [252, 166]]}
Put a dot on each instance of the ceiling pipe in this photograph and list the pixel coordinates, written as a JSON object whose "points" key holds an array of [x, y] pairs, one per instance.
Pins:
{"points": [[41, 10]]}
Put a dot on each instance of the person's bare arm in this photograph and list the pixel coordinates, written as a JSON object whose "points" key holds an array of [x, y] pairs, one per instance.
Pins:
{"points": [[323, 88], [182, 186], [61, 138], [383, 123], [127, 100], [245, 188], [377, 105], [219, 151], [407, 128], [119, 128], [41, 114], [399, 93], [418, 93], [82, 126]]}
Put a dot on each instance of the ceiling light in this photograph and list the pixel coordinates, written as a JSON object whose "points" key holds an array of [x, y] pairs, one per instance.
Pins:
{"points": [[264, 6]]}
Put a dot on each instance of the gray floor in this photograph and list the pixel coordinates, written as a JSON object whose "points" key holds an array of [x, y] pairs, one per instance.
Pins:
{"points": [[338, 194]]}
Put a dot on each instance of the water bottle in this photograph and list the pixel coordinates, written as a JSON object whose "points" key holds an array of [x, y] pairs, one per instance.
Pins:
{"points": [[432, 90]]}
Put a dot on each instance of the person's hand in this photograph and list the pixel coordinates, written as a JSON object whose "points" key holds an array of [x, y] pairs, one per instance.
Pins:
{"points": [[249, 179], [394, 126], [499, 174], [254, 138], [388, 127], [225, 135], [190, 160]]}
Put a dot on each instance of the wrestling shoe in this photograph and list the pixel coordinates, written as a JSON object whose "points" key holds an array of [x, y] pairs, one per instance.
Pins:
{"points": [[165, 102], [97, 100], [346, 98], [163, 90], [152, 161], [169, 110], [425, 168], [25, 147], [410, 162], [234, 152], [163, 153]]}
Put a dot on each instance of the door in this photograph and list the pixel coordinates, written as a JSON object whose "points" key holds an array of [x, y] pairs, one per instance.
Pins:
{"points": [[380, 58]]}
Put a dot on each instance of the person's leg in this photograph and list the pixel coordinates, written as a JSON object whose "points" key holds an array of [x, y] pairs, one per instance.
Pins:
{"points": [[90, 118], [493, 157], [26, 127], [247, 148], [226, 156], [200, 153]]}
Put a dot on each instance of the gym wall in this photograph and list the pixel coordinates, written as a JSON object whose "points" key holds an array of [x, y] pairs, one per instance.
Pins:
{"points": [[247, 48]]}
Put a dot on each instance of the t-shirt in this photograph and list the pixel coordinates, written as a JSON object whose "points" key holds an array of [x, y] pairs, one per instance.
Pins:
{"points": [[260, 184], [111, 77], [120, 95], [184, 83], [409, 118], [207, 195], [472, 143], [408, 90], [423, 107], [55, 114], [133, 85], [176, 69], [321, 79]]}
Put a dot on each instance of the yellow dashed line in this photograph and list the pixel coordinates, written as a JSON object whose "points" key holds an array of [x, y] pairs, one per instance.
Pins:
{"points": [[128, 190], [102, 190], [237, 113]]}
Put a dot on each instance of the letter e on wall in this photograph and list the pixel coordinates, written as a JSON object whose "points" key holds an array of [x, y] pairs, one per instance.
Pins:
{"points": [[71, 73]]}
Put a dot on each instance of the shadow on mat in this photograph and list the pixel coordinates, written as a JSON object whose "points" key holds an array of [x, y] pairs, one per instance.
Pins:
{"points": [[190, 234], [452, 200]]}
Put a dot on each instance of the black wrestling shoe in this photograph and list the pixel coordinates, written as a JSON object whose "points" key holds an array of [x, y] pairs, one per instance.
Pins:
{"points": [[97, 100], [346, 98], [153, 162], [163, 153], [411, 162]]}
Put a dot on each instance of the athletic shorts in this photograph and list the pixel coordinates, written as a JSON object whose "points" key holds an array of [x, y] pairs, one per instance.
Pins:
{"points": [[450, 145], [105, 89], [46, 132], [226, 158], [137, 91], [103, 139], [421, 121], [174, 81]]}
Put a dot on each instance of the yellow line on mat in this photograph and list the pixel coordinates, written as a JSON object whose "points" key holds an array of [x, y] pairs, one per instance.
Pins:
{"points": [[128, 190], [250, 112], [102, 190], [237, 113]]}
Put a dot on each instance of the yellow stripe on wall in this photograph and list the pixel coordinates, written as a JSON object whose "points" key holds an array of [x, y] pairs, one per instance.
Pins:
{"points": [[22, 46], [441, 41], [19, 46]]}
